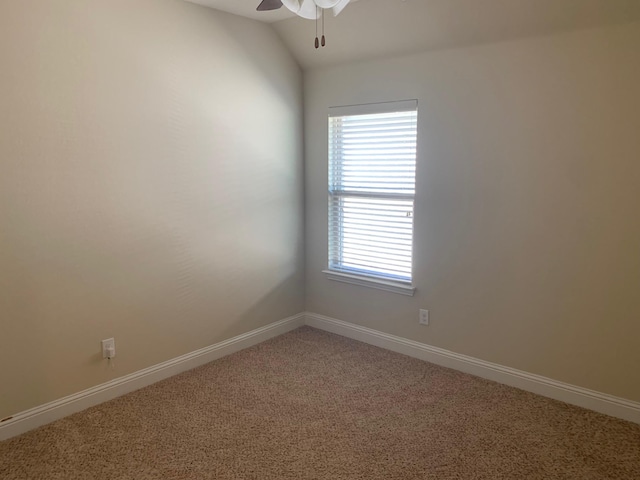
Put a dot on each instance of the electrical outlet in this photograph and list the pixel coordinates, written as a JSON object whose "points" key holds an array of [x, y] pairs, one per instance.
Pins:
{"points": [[108, 348], [424, 317]]}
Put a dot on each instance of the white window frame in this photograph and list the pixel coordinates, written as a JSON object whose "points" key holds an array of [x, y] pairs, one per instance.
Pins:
{"points": [[336, 269]]}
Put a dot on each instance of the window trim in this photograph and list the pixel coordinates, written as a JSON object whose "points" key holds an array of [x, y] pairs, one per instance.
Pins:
{"points": [[364, 279], [372, 282]]}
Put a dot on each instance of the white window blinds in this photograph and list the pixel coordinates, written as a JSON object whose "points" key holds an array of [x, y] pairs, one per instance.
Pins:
{"points": [[372, 162]]}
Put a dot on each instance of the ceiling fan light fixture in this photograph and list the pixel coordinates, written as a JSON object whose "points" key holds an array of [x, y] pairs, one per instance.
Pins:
{"points": [[309, 10]]}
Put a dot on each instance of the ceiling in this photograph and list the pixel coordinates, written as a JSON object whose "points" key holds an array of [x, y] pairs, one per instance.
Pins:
{"points": [[377, 28]]}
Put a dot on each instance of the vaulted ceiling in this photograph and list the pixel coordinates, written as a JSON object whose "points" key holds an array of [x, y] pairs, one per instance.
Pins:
{"points": [[375, 28]]}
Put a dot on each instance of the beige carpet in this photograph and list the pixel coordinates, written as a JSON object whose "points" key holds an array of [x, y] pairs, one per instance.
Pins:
{"points": [[311, 405]]}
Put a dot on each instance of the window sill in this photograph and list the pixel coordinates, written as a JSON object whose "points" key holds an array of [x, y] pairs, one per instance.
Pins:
{"points": [[371, 282]]}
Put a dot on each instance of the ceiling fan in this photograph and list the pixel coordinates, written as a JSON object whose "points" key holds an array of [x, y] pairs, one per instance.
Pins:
{"points": [[310, 9], [304, 8]]}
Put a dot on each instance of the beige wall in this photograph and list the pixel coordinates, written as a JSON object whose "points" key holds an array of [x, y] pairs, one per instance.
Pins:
{"points": [[527, 232], [150, 187]]}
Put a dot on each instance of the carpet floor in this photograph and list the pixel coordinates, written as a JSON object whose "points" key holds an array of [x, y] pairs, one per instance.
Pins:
{"points": [[312, 405]]}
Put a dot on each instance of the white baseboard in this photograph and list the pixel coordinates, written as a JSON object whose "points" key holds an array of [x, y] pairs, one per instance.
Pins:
{"points": [[47, 413], [582, 397]]}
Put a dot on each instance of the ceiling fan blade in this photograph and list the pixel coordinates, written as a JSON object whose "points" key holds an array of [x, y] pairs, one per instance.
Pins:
{"points": [[339, 7], [326, 3], [292, 5], [266, 5]]}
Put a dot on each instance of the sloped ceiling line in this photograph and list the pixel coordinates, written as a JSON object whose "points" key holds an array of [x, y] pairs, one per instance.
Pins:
{"points": [[379, 28]]}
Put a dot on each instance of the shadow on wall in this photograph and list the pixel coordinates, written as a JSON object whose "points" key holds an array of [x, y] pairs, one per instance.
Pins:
{"points": [[275, 305], [151, 188], [252, 44], [255, 315]]}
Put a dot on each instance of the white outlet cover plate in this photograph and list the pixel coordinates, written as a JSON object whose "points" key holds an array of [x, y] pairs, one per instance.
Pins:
{"points": [[108, 344]]}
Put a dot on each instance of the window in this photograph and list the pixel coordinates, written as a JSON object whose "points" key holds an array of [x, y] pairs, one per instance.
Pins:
{"points": [[372, 163]]}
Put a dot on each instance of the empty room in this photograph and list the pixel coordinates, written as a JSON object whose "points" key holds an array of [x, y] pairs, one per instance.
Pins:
{"points": [[319, 239]]}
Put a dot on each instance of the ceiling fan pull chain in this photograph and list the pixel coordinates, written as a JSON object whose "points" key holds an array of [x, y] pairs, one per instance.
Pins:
{"points": [[317, 45], [305, 9], [323, 42]]}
